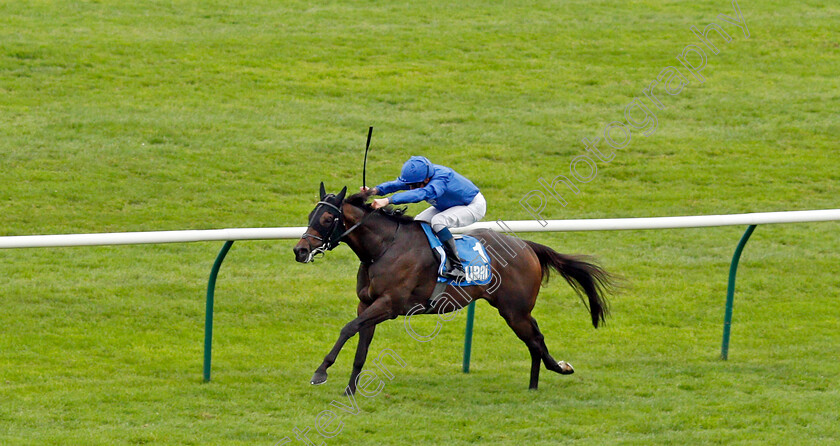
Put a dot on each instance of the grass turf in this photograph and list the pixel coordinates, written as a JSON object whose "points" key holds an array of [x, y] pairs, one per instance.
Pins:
{"points": [[179, 115]]}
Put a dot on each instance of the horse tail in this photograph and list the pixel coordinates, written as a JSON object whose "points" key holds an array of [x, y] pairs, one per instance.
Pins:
{"points": [[584, 276]]}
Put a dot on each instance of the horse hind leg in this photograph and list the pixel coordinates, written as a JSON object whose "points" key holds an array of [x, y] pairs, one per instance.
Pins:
{"points": [[526, 329], [561, 367]]}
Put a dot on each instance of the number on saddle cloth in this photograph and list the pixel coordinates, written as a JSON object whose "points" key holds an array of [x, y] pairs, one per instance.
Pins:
{"points": [[474, 258]]}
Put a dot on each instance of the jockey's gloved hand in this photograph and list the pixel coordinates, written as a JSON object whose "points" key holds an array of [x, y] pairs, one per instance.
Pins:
{"points": [[370, 190], [380, 203]]}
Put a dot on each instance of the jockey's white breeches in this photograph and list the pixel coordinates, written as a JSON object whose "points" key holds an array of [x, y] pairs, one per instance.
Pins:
{"points": [[456, 216]]}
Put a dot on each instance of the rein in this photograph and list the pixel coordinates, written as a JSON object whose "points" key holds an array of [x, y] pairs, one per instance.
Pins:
{"points": [[387, 246], [361, 222]]}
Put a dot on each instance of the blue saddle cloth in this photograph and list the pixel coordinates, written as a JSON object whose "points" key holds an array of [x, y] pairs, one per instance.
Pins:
{"points": [[473, 256]]}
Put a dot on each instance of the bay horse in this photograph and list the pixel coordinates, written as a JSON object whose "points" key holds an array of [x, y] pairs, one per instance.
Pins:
{"points": [[398, 272]]}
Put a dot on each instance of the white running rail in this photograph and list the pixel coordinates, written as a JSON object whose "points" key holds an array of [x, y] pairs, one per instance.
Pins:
{"points": [[607, 224]]}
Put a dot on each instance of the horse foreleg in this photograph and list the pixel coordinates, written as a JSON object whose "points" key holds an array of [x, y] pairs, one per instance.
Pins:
{"points": [[365, 337], [379, 311]]}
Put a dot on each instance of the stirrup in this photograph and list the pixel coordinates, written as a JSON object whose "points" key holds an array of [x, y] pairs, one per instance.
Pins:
{"points": [[455, 274]]}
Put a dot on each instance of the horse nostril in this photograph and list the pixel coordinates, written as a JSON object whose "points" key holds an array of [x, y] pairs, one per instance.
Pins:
{"points": [[300, 252]]}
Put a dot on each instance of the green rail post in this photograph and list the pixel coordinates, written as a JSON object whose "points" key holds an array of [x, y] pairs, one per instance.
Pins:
{"points": [[730, 292], [208, 321], [468, 332]]}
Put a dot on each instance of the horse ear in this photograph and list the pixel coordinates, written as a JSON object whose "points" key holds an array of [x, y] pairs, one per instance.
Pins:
{"points": [[323, 191], [342, 193]]}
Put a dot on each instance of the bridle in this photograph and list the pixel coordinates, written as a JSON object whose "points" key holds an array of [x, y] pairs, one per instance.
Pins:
{"points": [[334, 230]]}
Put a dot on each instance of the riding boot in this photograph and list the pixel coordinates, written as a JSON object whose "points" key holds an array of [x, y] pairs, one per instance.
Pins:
{"points": [[454, 269]]}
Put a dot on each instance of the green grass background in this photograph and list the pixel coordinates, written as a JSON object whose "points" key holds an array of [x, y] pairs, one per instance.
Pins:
{"points": [[167, 115]]}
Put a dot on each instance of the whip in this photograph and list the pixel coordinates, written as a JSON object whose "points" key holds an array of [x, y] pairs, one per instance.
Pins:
{"points": [[364, 168]]}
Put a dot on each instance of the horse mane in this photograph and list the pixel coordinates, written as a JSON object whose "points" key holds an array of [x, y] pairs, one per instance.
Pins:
{"points": [[394, 213]]}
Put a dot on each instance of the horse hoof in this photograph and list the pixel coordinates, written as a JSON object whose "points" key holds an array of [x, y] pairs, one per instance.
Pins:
{"points": [[318, 378], [565, 368]]}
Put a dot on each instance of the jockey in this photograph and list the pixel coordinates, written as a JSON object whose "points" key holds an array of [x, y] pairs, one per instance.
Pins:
{"points": [[455, 201]]}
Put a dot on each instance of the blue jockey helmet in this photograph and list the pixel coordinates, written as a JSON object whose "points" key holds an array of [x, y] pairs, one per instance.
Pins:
{"points": [[416, 170]]}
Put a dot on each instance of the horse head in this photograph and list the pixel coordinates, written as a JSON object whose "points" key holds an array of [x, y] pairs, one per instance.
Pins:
{"points": [[326, 224]]}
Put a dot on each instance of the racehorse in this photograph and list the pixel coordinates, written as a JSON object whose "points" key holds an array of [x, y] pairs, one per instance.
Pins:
{"points": [[398, 272]]}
